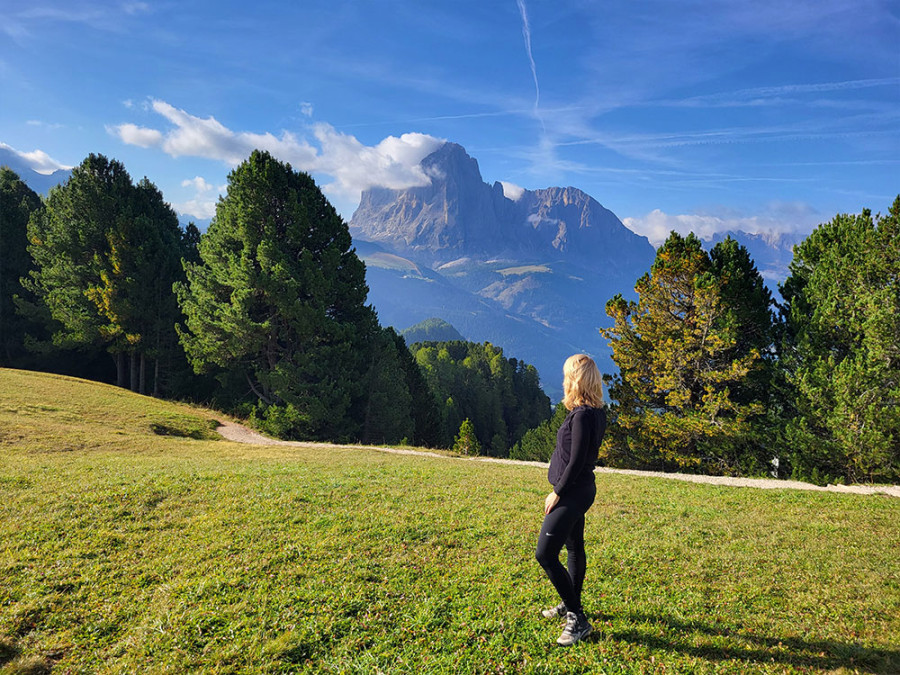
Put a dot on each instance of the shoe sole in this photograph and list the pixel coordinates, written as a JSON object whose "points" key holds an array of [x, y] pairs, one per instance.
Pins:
{"points": [[575, 638]]}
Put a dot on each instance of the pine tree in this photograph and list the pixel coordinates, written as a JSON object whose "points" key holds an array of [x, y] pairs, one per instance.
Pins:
{"points": [[840, 351], [678, 358], [106, 254], [279, 298], [537, 444], [388, 410], [501, 397], [466, 442], [424, 409], [17, 203]]}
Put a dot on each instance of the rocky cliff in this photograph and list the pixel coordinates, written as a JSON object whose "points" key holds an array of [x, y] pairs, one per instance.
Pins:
{"points": [[530, 274], [460, 216]]}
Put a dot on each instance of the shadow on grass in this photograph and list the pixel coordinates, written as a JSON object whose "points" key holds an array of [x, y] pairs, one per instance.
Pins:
{"points": [[731, 644]]}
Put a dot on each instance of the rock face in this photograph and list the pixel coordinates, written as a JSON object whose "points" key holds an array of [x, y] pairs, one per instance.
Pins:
{"points": [[461, 216], [530, 274]]}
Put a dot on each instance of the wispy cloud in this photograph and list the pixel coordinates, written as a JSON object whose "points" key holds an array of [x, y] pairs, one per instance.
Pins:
{"points": [[45, 125], [526, 33], [758, 96], [392, 163], [29, 21], [512, 191]]}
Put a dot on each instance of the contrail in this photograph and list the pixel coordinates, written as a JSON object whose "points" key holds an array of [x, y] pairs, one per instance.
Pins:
{"points": [[526, 33]]}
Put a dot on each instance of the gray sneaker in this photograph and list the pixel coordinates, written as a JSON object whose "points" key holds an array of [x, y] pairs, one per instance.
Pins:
{"points": [[577, 628], [553, 612]]}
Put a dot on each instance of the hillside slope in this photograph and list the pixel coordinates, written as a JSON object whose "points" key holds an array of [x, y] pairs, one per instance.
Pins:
{"points": [[126, 550]]}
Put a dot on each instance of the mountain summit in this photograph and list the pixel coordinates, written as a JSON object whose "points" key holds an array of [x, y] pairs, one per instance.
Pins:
{"points": [[459, 215], [529, 271]]}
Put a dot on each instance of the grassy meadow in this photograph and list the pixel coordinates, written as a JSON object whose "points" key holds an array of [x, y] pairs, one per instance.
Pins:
{"points": [[133, 540]]}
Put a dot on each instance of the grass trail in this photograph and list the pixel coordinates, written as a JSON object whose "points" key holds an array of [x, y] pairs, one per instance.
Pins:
{"points": [[131, 541]]}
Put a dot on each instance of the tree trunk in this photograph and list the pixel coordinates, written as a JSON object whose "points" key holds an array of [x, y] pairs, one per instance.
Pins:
{"points": [[120, 369], [143, 378], [156, 377], [134, 372]]}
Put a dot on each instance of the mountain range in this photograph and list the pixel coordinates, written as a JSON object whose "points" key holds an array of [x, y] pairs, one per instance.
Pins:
{"points": [[529, 271]]}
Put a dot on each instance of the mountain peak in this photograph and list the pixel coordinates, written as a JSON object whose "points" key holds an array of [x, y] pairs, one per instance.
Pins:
{"points": [[459, 215], [452, 163]]}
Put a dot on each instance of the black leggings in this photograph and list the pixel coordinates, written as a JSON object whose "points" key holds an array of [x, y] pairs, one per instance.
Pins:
{"points": [[565, 525]]}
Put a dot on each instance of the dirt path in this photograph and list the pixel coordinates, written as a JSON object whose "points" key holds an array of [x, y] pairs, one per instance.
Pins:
{"points": [[241, 434]]}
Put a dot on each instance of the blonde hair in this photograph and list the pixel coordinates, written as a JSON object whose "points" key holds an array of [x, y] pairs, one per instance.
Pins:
{"points": [[582, 384]]}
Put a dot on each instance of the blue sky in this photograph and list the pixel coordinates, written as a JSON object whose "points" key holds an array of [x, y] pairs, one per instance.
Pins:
{"points": [[762, 115]]}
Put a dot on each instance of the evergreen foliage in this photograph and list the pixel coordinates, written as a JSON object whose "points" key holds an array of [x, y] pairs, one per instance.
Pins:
{"points": [[431, 330], [840, 350], [278, 299], [501, 397], [537, 444], [17, 203], [274, 308], [466, 442], [682, 359], [424, 409], [106, 254], [387, 416]]}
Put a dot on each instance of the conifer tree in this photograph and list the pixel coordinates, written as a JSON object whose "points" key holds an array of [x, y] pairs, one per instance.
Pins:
{"points": [[840, 351], [17, 203], [466, 442], [678, 358], [424, 409], [106, 254], [387, 416], [537, 444], [501, 397], [279, 297]]}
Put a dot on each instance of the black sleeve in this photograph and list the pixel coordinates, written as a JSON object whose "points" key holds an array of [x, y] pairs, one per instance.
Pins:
{"points": [[581, 437]]}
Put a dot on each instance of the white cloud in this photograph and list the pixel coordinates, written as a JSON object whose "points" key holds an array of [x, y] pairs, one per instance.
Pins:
{"points": [[201, 209], [306, 108], [776, 218], [135, 135], [37, 160], [392, 163], [512, 191], [536, 219], [203, 205], [199, 184]]}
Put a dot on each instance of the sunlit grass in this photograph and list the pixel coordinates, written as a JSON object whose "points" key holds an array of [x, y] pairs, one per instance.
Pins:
{"points": [[124, 550]]}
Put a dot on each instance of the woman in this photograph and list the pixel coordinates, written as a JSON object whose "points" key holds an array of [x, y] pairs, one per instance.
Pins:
{"points": [[572, 476]]}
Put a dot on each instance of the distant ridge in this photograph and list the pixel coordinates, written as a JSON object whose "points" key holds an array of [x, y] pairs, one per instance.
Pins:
{"points": [[431, 330]]}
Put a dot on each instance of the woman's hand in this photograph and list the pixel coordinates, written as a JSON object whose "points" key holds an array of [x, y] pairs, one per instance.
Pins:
{"points": [[551, 501]]}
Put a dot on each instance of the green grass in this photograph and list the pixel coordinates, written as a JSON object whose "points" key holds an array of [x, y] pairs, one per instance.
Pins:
{"points": [[124, 550]]}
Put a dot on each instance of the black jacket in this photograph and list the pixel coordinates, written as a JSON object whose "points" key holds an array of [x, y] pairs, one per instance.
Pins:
{"points": [[577, 444]]}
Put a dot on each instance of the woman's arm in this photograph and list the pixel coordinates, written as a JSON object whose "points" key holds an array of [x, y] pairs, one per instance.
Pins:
{"points": [[581, 436]]}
